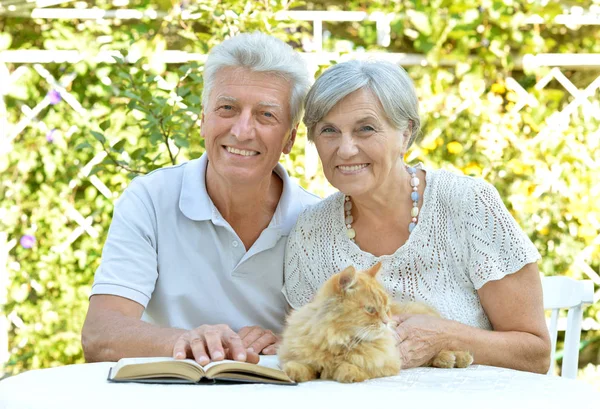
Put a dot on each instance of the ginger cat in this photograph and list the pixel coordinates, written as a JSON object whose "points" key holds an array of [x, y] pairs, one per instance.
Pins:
{"points": [[346, 333]]}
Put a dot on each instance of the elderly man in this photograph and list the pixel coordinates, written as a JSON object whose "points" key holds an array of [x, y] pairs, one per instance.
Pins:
{"points": [[193, 263]]}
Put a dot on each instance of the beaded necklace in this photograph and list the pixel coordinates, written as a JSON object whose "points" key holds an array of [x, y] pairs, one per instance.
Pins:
{"points": [[414, 196]]}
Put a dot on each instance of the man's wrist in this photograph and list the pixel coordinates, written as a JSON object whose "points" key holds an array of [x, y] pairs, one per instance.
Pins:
{"points": [[171, 339]]}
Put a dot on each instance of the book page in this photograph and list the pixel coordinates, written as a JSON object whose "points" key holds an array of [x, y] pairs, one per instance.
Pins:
{"points": [[147, 360], [131, 368], [269, 361], [266, 369]]}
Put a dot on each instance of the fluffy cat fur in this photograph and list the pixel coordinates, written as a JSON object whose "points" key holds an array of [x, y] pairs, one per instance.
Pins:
{"points": [[346, 332]]}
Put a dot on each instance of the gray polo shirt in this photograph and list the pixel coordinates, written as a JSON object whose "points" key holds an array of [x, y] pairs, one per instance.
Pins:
{"points": [[170, 250]]}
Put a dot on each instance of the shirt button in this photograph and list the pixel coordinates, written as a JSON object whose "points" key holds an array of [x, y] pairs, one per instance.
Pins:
{"points": [[234, 243]]}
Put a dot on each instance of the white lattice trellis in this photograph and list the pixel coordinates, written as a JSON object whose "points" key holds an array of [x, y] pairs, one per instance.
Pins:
{"points": [[559, 120]]}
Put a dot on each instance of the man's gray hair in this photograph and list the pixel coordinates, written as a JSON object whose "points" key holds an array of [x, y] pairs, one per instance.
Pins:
{"points": [[260, 52], [388, 82]]}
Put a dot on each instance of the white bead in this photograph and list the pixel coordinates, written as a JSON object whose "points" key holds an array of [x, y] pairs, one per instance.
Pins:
{"points": [[349, 219], [414, 182], [348, 205], [351, 233], [414, 212], [414, 219]]}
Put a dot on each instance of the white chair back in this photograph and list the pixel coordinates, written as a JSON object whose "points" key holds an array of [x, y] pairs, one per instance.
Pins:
{"points": [[567, 293]]}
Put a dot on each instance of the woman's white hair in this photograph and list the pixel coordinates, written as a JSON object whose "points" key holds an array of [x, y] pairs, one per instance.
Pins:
{"points": [[388, 82], [260, 52]]}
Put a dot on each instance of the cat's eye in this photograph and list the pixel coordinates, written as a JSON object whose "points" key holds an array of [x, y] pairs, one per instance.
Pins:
{"points": [[370, 310]]}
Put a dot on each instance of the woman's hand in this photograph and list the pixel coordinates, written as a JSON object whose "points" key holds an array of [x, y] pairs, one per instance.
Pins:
{"points": [[420, 338], [259, 340]]}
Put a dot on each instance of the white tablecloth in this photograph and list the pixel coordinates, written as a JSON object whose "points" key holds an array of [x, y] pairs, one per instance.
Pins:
{"points": [[85, 386]]}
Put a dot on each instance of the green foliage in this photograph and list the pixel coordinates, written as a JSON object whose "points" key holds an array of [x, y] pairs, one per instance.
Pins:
{"points": [[140, 114]]}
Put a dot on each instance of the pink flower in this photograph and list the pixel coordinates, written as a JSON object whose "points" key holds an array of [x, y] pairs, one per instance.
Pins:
{"points": [[50, 135], [27, 241], [54, 97]]}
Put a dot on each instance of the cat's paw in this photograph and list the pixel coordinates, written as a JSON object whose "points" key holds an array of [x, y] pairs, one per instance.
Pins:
{"points": [[444, 359], [453, 359], [463, 359], [299, 372], [348, 373]]}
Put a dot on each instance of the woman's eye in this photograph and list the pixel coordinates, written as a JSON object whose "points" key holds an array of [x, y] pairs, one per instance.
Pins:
{"points": [[367, 128], [370, 310], [327, 130]]}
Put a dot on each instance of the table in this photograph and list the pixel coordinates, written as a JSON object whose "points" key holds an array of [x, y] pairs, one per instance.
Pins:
{"points": [[85, 386]]}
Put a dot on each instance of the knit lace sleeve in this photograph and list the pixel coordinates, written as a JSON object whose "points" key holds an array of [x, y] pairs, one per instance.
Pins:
{"points": [[496, 245], [300, 261]]}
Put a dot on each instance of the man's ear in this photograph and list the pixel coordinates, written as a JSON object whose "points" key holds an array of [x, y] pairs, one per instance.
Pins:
{"points": [[290, 142]]}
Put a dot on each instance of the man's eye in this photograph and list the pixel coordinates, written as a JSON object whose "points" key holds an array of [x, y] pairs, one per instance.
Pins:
{"points": [[268, 115], [227, 107], [369, 309]]}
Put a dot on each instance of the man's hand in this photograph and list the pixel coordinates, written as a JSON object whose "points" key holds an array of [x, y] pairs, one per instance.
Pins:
{"points": [[420, 338], [212, 343], [259, 340]]}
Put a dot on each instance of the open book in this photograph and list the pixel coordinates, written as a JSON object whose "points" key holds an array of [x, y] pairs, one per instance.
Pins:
{"points": [[171, 370]]}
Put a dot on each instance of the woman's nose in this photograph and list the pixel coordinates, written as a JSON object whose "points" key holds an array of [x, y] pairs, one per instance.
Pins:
{"points": [[347, 148]]}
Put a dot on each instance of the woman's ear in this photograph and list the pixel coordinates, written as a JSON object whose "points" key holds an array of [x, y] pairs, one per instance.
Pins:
{"points": [[406, 135]]}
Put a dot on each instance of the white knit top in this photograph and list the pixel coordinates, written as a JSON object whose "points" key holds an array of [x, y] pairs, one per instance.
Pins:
{"points": [[465, 237]]}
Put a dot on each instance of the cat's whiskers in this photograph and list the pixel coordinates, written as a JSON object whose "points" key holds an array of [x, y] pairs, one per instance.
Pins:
{"points": [[368, 333]]}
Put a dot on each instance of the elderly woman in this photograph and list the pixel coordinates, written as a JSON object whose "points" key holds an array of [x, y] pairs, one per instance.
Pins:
{"points": [[444, 239]]}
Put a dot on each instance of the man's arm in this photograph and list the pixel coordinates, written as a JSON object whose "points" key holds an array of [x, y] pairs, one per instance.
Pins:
{"points": [[113, 329]]}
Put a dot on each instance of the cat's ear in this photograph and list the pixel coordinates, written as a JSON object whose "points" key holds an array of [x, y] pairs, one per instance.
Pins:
{"points": [[374, 270], [347, 278]]}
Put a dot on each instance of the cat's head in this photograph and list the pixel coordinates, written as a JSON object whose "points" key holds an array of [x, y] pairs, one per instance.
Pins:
{"points": [[355, 301]]}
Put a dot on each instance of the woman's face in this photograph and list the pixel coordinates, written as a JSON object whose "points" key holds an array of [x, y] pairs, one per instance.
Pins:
{"points": [[360, 150]]}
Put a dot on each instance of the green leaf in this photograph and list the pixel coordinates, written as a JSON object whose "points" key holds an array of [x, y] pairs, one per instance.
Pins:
{"points": [[83, 145], [181, 142], [183, 91], [104, 125], [118, 147], [138, 153], [131, 95], [156, 137], [193, 99], [99, 137]]}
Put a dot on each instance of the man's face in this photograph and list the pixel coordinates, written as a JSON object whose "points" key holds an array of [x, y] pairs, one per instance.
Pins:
{"points": [[247, 124]]}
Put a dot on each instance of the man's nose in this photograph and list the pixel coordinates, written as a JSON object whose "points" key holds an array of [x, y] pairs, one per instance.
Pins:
{"points": [[243, 128], [347, 148]]}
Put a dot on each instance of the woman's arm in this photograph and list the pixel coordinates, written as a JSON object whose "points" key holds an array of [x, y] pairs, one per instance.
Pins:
{"points": [[514, 306], [519, 339]]}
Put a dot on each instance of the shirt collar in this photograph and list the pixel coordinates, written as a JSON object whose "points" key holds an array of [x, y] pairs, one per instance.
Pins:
{"points": [[195, 203]]}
